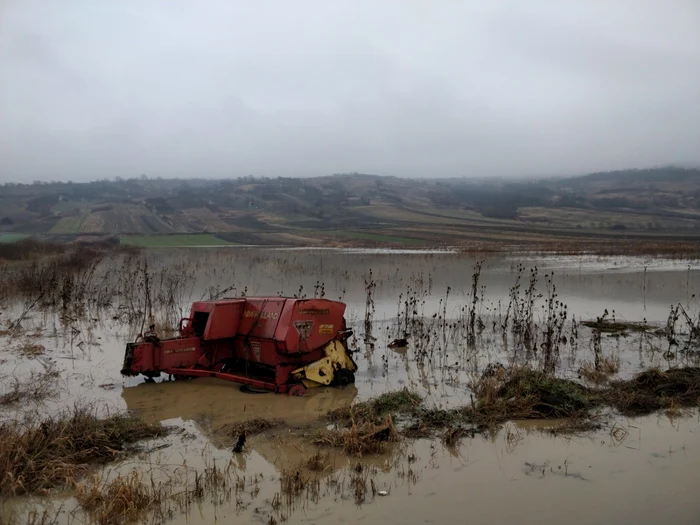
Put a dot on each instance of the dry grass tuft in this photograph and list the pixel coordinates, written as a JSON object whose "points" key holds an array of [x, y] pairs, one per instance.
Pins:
{"points": [[36, 387], [453, 436], [121, 500], [250, 427], [33, 517], [292, 483], [607, 366], [654, 390], [360, 439], [133, 497], [319, 461], [358, 483], [57, 451], [27, 349]]}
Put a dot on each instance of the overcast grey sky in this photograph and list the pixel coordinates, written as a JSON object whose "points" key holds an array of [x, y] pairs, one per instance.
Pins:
{"points": [[99, 88]]}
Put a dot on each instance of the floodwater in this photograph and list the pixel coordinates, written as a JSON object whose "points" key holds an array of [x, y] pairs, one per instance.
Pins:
{"points": [[649, 477], [633, 471], [642, 471]]}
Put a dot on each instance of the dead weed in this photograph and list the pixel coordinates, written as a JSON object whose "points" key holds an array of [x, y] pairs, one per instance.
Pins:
{"points": [[55, 452], [361, 438]]}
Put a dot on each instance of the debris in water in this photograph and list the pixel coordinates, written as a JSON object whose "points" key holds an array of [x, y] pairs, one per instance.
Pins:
{"points": [[238, 447]]}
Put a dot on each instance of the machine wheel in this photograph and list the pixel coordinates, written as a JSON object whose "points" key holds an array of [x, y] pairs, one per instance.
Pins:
{"points": [[249, 390], [150, 377], [344, 377], [297, 390]]}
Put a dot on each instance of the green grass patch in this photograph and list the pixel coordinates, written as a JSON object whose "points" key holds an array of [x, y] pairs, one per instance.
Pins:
{"points": [[12, 237], [66, 206], [173, 241], [376, 237], [68, 225]]}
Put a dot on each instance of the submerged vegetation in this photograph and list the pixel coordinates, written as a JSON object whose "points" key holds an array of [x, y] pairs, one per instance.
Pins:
{"points": [[523, 355], [654, 390], [518, 394], [249, 427], [37, 386], [138, 496], [363, 437], [529, 394], [120, 500], [399, 402], [55, 452]]}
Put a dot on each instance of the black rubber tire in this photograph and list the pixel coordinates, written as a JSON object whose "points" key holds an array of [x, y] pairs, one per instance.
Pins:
{"points": [[344, 377], [249, 390]]}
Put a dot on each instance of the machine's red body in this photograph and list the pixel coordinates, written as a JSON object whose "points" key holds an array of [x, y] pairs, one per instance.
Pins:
{"points": [[258, 341]]}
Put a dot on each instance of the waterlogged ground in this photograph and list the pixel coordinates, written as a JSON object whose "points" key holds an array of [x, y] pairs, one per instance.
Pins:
{"points": [[630, 471]]}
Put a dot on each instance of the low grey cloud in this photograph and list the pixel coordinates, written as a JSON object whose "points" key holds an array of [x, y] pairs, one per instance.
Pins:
{"points": [[92, 89]]}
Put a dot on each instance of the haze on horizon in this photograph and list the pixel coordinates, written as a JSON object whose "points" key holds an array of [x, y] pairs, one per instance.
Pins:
{"points": [[93, 89]]}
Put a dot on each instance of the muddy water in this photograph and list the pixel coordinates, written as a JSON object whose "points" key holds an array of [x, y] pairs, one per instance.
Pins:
{"points": [[217, 403], [88, 351], [647, 478], [641, 474], [644, 471]]}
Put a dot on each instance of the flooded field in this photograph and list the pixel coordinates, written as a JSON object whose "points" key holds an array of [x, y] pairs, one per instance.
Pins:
{"points": [[473, 323]]}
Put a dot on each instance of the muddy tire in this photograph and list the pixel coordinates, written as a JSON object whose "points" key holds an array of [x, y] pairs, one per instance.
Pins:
{"points": [[344, 377], [247, 389], [297, 390]]}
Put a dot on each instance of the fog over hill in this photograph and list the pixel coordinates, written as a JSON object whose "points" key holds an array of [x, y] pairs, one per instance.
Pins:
{"points": [[301, 211]]}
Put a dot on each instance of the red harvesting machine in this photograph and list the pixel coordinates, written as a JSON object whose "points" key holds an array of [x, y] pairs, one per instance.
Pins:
{"points": [[280, 344]]}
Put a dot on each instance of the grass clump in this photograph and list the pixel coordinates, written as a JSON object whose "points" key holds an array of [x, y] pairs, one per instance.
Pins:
{"points": [[55, 452], [400, 402], [600, 372], [36, 387], [361, 438], [27, 349], [318, 461], [121, 500], [528, 394], [609, 326], [34, 517], [293, 484], [249, 427], [550, 396], [427, 420], [519, 393], [134, 497], [653, 390]]}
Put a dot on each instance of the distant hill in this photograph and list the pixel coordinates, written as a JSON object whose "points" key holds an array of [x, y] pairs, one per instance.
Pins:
{"points": [[645, 202]]}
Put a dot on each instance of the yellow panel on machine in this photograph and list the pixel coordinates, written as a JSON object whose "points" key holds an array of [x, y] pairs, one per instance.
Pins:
{"points": [[336, 368]]}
